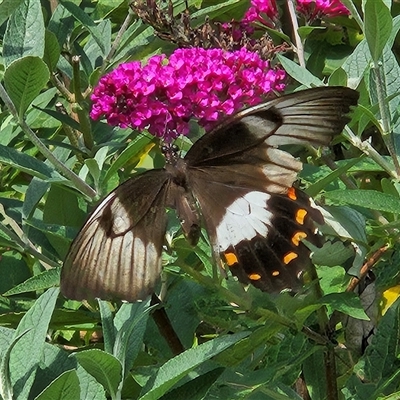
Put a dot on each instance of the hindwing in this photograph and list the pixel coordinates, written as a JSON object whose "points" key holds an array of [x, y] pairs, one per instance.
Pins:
{"points": [[243, 183], [117, 253]]}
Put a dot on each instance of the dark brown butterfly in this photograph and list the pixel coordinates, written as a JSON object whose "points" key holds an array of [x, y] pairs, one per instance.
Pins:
{"points": [[235, 181]]}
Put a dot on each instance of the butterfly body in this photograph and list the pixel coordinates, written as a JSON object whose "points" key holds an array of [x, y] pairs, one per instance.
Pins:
{"points": [[236, 182]]}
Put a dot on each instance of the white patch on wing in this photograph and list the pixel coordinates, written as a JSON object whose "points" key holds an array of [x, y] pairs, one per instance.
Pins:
{"points": [[244, 218]]}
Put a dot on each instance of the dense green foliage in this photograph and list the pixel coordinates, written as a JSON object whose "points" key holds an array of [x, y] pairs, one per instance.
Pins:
{"points": [[55, 164]]}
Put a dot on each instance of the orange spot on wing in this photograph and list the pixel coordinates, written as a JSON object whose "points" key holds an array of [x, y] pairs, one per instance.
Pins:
{"points": [[292, 193], [300, 215], [231, 259], [297, 237], [275, 273], [254, 277], [289, 257]]}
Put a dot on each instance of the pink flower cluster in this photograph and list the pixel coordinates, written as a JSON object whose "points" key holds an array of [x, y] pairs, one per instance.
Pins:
{"points": [[195, 83], [313, 9], [261, 8]]}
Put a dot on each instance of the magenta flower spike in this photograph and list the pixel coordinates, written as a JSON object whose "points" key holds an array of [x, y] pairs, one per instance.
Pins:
{"points": [[193, 83]]}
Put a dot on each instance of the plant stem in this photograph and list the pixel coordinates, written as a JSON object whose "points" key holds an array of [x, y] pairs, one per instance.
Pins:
{"points": [[18, 237], [117, 41], [366, 148], [297, 38]]}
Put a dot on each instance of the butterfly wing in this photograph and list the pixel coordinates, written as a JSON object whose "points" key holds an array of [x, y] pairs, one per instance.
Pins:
{"points": [[243, 184], [117, 253]]}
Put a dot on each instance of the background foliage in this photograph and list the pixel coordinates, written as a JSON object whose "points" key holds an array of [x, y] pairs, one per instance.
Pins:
{"points": [[55, 164]]}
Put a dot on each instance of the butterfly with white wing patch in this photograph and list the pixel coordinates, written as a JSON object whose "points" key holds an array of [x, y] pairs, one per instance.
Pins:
{"points": [[236, 182]]}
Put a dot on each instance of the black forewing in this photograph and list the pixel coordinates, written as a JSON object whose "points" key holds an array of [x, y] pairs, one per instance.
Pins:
{"points": [[117, 253], [236, 172], [311, 116]]}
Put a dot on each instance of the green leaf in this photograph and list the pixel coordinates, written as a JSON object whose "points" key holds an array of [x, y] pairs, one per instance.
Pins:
{"points": [[321, 184], [65, 387], [176, 368], [332, 279], [380, 363], [395, 30], [195, 389], [305, 31], [86, 21], [24, 35], [377, 27], [105, 368], [13, 270], [61, 210], [52, 50], [332, 254], [36, 190], [7, 8], [107, 325], [298, 73], [44, 280], [6, 390], [357, 63], [347, 303], [314, 379], [24, 79], [130, 323], [28, 164], [54, 363], [136, 149], [36, 320], [370, 199]]}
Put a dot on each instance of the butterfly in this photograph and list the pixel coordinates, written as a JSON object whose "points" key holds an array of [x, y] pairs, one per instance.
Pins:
{"points": [[235, 182]]}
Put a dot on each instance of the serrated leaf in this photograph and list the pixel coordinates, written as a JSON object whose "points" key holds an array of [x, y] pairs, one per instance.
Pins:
{"points": [[24, 79], [44, 280], [104, 367], [347, 303], [176, 368]]}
